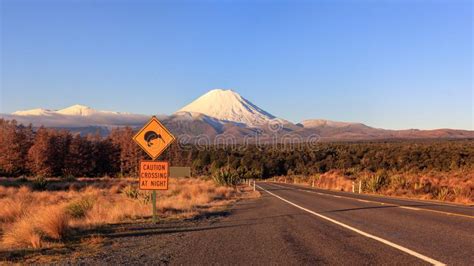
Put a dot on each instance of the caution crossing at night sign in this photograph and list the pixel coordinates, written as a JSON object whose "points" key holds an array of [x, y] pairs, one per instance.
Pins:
{"points": [[154, 138], [153, 175]]}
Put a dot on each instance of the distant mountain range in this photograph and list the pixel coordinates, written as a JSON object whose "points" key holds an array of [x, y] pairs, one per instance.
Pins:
{"points": [[221, 113]]}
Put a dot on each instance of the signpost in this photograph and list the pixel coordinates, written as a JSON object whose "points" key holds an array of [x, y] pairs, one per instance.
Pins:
{"points": [[154, 139]]}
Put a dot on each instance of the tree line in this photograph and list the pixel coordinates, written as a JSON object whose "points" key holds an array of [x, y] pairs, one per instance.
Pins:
{"points": [[52, 152]]}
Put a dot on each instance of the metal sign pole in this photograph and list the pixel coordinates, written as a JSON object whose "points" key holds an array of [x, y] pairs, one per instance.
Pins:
{"points": [[153, 199]]}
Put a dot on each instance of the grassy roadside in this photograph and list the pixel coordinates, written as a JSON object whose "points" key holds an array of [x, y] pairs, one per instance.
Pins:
{"points": [[455, 186], [67, 216]]}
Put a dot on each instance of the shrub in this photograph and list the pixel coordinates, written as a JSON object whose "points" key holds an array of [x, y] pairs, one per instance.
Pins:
{"points": [[398, 182], [375, 182], [253, 174], [351, 172], [145, 197], [22, 179], [131, 192], [40, 183], [226, 177], [79, 208], [418, 185], [70, 178], [442, 193], [244, 172]]}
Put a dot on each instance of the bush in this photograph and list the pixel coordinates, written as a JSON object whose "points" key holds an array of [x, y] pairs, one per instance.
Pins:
{"points": [[351, 172], [145, 197], [40, 183], [253, 174], [131, 192], [442, 193], [398, 182], [376, 182], [226, 177], [70, 178], [79, 208], [22, 179]]}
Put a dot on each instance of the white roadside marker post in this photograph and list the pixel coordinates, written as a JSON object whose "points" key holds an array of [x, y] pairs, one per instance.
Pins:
{"points": [[353, 187], [360, 186], [254, 185]]}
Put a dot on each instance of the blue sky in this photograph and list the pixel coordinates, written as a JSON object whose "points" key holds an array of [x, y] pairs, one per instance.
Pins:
{"points": [[390, 64]]}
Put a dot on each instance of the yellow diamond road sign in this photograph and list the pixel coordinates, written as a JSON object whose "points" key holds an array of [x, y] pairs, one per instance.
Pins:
{"points": [[154, 138]]}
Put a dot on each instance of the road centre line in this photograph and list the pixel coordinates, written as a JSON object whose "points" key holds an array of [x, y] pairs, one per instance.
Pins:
{"points": [[379, 239]]}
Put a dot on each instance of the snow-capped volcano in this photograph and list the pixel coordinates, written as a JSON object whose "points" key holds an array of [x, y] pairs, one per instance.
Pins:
{"points": [[229, 106], [218, 112]]}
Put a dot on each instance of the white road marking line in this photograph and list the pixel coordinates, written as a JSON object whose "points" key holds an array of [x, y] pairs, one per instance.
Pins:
{"points": [[410, 208], [386, 242], [307, 191], [361, 200]]}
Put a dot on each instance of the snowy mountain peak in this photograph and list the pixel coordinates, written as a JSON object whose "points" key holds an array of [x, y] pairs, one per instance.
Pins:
{"points": [[228, 105], [74, 110], [77, 109], [34, 112]]}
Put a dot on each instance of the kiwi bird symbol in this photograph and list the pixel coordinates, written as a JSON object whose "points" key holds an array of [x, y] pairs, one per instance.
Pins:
{"points": [[150, 136]]}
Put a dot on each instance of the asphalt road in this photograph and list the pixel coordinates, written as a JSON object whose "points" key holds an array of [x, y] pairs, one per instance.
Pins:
{"points": [[291, 225]]}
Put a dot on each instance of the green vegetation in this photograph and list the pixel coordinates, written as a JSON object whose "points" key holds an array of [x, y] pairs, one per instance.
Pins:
{"points": [[131, 192], [40, 183], [79, 208], [226, 177], [375, 183], [352, 158]]}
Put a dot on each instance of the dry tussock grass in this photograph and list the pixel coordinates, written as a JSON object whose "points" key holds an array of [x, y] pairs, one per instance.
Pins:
{"points": [[52, 221], [454, 186], [11, 210], [37, 219], [332, 180], [21, 233]]}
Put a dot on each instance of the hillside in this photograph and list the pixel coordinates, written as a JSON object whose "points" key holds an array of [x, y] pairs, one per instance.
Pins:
{"points": [[220, 112]]}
